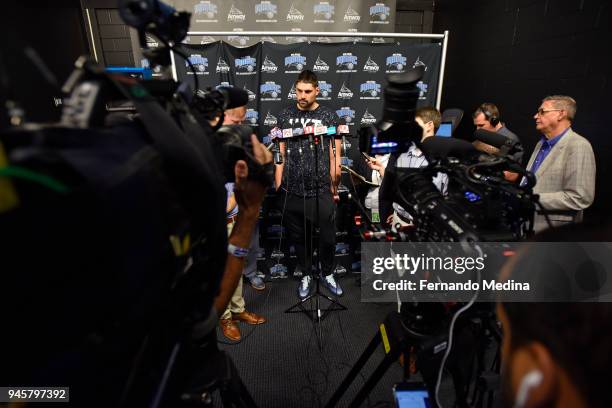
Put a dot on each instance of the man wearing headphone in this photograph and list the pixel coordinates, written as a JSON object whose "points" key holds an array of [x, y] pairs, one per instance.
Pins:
{"points": [[487, 117]]}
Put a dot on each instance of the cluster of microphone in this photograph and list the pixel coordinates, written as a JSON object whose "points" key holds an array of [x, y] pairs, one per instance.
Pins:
{"points": [[277, 134]]}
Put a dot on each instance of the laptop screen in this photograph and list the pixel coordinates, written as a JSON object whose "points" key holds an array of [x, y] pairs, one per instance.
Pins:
{"points": [[445, 129]]}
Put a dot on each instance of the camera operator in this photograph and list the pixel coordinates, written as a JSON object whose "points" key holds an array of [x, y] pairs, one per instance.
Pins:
{"points": [[429, 119], [556, 354], [488, 117], [302, 180], [248, 196], [235, 310]]}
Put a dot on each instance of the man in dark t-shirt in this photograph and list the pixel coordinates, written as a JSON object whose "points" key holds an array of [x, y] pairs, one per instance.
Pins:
{"points": [[309, 171]]}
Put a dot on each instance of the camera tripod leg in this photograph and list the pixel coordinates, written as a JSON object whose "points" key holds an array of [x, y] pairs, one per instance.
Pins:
{"points": [[361, 362]]}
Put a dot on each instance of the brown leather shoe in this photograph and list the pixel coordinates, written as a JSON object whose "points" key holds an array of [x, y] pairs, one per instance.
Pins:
{"points": [[230, 329], [248, 317]]}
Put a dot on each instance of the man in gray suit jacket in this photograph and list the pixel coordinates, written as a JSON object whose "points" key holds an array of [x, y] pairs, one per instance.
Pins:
{"points": [[563, 163]]}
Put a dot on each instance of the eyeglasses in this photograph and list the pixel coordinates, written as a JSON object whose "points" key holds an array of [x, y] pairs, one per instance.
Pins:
{"points": [[543, 111]]}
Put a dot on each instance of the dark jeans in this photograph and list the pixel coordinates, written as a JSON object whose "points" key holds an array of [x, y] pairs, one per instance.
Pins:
{"points": [[300, 221]]}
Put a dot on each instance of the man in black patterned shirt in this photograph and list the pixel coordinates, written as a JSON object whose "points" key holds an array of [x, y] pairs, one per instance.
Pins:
{"points": [[302, 178]]}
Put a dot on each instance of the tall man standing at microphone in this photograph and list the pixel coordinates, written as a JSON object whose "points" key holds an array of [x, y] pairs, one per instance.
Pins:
{"points": [[301, 178]]}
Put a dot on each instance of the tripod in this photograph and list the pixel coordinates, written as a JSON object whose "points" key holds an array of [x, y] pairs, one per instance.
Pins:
{"points": [[315, 312]]}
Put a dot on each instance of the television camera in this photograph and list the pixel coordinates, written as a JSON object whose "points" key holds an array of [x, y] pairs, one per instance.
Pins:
{"points": [[115, 236]]}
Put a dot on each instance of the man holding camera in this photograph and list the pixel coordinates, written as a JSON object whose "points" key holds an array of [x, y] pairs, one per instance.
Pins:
{"points": [[302, 178]]}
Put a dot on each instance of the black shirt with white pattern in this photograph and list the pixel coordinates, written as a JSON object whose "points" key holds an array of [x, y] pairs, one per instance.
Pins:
{"points": [[300, 174]]}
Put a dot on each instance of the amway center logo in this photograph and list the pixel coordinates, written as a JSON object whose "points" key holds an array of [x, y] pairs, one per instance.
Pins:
{"points": [[346, 62], [266, 12], [295, 15], [205, 12], [345, 93], [379, 14], [252, 117], [325, 91], [235, 15], [396, 63], [367, 118], [292, 95], [270, 91], [320, 66], [245, 65], [370, 90], [370, 66], [419, 63], [200, 64], [270, 119], [351, 16], [347, 114], [251, 94], [295, 63], [222, 67], [324, 12], [268, 66]]}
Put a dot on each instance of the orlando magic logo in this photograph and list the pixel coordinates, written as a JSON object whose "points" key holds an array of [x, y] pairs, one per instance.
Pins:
{"points": [[346, 62], [252, 117], [325, 90], [205, 12], [369, 90], [235, 15], [320, 66], [370, 66], [347, 114], [294, 63], [295, 14], [238, 40], [245, 65], [224, 85], [324, 12], [367, 118], [268, 66], [396, 63], [270, 120], [351, 16], [345, 93], [222, 67], [200, 64], [270, 91], [379, 14], [266, 11], [422, 89], [419, 63]]}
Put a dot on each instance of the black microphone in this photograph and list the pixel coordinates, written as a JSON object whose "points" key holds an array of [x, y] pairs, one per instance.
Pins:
{"points": [[439, 147], [493, 138]]}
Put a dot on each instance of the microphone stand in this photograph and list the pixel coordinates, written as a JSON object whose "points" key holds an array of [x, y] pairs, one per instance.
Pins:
{"points": [[317, 313]]}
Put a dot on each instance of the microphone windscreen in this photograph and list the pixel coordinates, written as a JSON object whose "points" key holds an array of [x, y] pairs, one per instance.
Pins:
{"points": [[235, 97], [443, 147], [491, 138]]}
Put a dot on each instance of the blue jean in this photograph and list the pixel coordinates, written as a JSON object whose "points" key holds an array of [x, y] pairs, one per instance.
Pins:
{"points": [[250, 263]]}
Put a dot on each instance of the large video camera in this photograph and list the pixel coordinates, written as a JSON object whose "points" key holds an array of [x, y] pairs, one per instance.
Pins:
{"points": [[114, 234]]}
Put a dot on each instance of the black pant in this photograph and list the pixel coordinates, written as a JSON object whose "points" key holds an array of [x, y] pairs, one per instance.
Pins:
{"points": [[300, 220]]}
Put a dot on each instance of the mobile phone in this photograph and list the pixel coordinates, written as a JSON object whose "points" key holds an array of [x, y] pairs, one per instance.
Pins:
{"points": [[411, 395], [368, 157]]}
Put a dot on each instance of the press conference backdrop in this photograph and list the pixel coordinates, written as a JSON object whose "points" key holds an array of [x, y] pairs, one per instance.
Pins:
{"points": [[293, 15], [351, 75]]}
